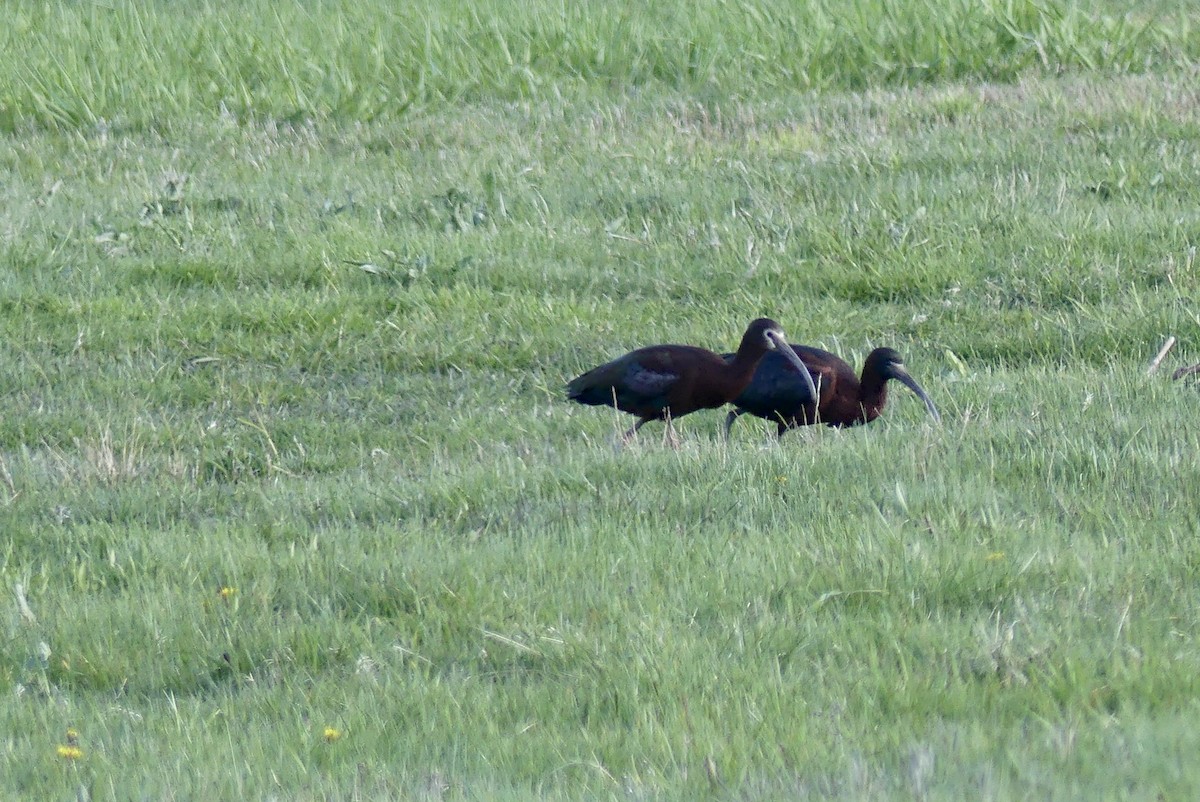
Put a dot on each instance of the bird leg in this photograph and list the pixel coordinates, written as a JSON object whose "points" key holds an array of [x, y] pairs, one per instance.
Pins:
{"points": [[629, 435], [669, 436], [729, 419]]}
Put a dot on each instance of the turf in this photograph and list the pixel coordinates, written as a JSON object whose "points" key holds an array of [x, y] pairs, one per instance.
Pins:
{"points": [[294, 507]]}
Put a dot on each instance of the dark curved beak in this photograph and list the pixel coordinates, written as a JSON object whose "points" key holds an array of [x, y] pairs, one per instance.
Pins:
{"points": [[781, 345], [901, 375]]}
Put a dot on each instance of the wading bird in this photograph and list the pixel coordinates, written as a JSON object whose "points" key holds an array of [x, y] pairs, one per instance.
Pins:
{"points": [[778, 393], [662, 382]]}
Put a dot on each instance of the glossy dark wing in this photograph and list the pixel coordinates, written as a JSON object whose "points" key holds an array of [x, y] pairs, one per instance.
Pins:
{"points": [[645, 381], [640, 382], [776, 390]]}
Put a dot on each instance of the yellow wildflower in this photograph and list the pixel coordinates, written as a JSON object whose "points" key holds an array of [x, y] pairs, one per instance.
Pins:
{"points": [[332, 734], [70, 752], [227, 592], [994, 556]]}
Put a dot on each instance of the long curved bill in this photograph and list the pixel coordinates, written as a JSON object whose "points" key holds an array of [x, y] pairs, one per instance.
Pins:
{"points": [[901, 375], [781, 345]]}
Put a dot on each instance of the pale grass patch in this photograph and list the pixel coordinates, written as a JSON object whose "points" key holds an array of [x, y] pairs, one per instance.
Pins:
{"points": [[6, 477], [101, 459], [110, 460]]}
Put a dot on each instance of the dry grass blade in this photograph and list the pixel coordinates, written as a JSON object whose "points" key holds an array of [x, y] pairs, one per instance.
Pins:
{"points": [[1162, 354]]}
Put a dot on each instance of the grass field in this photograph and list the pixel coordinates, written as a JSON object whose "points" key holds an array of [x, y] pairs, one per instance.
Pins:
{"points": [[293, 507]]}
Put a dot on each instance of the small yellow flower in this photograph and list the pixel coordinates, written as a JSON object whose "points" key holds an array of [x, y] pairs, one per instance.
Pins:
{"points": [[332, 734], [70, 752], [994, 556], [72, 736], [227, 592]]}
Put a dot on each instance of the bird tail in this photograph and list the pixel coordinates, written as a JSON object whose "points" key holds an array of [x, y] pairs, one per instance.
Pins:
{"points": [[591, 394]]}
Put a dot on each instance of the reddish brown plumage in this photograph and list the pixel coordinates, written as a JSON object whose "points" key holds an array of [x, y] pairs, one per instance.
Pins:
{"points": [[778, 394], [669, 381]]}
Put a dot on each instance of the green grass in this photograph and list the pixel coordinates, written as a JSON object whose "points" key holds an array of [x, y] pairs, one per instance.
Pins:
{"points": [[135, 66], [311, 350]]}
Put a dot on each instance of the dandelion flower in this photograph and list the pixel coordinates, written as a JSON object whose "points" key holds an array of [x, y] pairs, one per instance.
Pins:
{"points": [[332, 734], [227, 592], [72, 736], [69, 752]]}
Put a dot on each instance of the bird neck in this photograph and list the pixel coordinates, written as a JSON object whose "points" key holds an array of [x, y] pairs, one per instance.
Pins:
{"points": [[749, 352], [872, 396]]}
